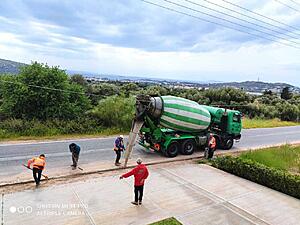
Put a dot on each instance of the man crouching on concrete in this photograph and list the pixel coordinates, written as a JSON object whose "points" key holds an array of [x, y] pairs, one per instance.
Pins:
{"points": [[140, 173]]}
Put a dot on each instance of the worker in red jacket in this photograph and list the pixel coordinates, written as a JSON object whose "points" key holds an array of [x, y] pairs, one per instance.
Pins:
{"points": [[140, 173]]}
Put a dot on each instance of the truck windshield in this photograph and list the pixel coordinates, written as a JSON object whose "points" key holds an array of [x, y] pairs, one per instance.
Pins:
{"points": [[236, 117]]}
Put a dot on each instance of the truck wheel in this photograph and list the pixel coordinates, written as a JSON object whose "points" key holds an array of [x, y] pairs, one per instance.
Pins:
{"points": [[188, 147], [227, 144], [172, 150]]}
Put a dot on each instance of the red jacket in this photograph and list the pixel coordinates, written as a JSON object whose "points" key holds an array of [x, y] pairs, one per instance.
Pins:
{"points": [[140, 173]]}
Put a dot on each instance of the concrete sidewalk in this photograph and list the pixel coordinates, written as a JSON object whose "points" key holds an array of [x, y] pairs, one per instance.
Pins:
{"points": [[194, 194]]}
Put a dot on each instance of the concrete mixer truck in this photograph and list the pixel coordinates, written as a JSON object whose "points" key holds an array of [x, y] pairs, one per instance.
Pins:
{"points": [[175, 125]]}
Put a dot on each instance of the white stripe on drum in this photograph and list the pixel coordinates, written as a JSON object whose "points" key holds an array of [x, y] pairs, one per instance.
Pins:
{"points": [[187, 114], [183, 124], [188, 104]]}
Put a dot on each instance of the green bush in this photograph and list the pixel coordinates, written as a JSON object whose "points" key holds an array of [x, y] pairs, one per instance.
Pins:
{"points": [[115, 111], [273, 178], [18, 127], [287, 111]]}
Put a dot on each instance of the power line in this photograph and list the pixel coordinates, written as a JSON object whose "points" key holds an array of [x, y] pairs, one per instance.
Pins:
{"points": [[47, 88], [282, 3], [258, 14], [246, 21], [229, 21], [216, 23], [261, 21], [297, 3]]}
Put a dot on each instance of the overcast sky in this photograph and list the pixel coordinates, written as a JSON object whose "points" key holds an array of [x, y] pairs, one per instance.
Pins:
{"points": [[131, 37]]}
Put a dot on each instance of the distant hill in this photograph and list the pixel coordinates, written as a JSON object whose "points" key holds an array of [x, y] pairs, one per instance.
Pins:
{"points": [[7, 66], [255, 86]]}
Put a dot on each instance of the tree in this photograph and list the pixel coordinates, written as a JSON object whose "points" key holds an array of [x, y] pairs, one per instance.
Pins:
{"points": [[105, 89], [287, 111], [79, 79], [115, 111], [267, 92], [129, 88], [42, 92], [156, 91], [224, 96], [286, 94]]}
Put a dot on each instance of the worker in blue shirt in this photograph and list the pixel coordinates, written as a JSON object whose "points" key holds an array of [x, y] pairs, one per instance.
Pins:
{"points": [[75, 150], [118, 148]]}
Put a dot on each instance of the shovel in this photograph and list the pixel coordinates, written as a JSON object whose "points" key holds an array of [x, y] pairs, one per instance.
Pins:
{"points": [[31, 169]]}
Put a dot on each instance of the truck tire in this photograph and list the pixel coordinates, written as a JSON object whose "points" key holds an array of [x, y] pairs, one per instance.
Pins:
{"points": [[227, 144], [172, 150], [188, 147]]}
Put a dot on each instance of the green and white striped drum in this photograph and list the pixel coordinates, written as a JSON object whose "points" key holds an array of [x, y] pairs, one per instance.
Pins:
{"points": [[183, 114]]}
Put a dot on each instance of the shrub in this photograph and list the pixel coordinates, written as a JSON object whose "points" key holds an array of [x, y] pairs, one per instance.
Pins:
{"points": [[18, 127], [115, 111], [288, 112], [273, 178]]}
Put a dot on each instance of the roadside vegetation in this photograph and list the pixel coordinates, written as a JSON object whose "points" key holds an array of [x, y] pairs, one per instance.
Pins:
{"points": [[276, 167], [43, 101], [266, 123], [169, 221], [285, 157]]}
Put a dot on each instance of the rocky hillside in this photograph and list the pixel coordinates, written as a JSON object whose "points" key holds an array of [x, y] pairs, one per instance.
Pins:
{"points": [[7, 66]]}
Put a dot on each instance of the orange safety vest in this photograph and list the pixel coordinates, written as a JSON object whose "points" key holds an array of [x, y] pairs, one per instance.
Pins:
{"points": [[212, 142], [38, 162]]}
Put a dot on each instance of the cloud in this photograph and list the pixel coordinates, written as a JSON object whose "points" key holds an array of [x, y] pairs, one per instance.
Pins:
{"points": [[135, 38], [134, 24]]}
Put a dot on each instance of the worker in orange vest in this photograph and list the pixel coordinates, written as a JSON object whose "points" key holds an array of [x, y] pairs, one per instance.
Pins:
{"points": [[38, 164], [212, 144]]}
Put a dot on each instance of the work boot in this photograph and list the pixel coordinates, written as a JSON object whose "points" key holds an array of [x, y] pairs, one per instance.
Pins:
{"points": [[134, 203]]}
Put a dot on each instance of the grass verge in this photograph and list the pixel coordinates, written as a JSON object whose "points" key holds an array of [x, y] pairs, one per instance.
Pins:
{"points": [[266, 123], [285, 157], [169, 221], [104, 133]]}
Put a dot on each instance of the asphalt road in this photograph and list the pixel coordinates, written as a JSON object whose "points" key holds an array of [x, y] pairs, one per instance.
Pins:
{"points": [[100, 149]]}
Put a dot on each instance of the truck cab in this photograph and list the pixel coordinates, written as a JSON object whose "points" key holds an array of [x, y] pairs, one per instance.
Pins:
{"points": [[226, 125]]}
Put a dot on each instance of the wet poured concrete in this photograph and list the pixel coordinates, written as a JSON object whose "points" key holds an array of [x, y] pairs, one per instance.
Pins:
{"points": [[194, 194]]}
